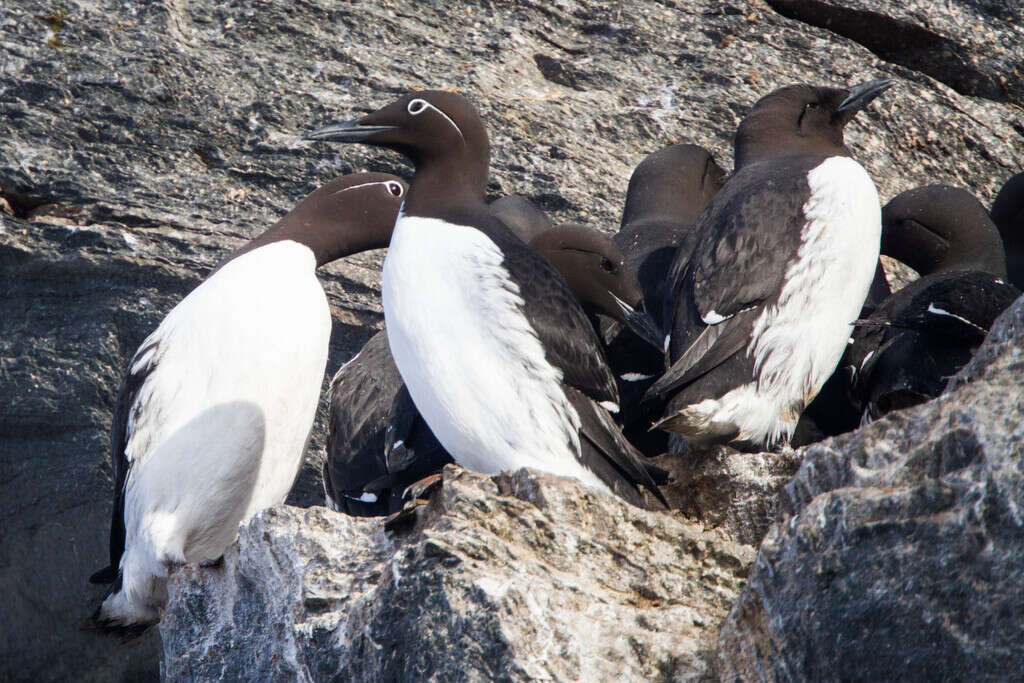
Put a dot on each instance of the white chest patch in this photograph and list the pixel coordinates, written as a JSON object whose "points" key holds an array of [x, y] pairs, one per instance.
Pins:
{"points": [[468, 355], [797, 343]]}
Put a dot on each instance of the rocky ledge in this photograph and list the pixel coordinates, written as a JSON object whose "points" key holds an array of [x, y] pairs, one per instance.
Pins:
{"points": [[896, 552], [899, 549], [521, 576]]}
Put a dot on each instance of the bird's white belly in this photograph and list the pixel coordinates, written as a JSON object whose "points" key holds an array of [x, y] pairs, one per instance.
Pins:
{"points": [[224, 417], [473, 365]]}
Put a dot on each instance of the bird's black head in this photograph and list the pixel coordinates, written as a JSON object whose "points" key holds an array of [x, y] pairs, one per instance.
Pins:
{"points": [[1008, 206], [521, 216], [596, 272], [939, 228], [432, 128], [1008, 215], [802, 120], [349, 214], [675, 183]]}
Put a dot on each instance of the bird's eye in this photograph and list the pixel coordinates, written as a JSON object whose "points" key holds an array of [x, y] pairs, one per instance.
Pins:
{"points": [[416, 106], [607, 265], [394, 188]]}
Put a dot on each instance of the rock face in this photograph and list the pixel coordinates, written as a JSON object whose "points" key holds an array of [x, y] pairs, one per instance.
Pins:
{"points": [[973, 47], [141, 142], [516, 577], [900, 548]]}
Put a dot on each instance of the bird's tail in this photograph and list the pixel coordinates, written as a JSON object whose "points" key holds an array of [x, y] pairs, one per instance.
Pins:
{"points": [[128, 613]]}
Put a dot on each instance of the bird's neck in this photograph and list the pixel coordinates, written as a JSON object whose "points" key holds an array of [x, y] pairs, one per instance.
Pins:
{"points": [[447, 182], [328, 239]]}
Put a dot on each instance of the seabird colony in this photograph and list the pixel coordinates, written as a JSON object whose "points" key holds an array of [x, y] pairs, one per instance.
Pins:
{"points": [[746, 310]]}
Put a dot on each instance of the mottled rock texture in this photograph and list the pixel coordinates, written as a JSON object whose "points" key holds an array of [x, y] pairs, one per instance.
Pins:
{"points": [[521, 576], [900, 548], [140, 142]]}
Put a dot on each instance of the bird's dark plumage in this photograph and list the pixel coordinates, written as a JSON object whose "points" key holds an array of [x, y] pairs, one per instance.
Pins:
{"points": [[906, 349], [667, 192], [126, 396], [937, 228], [367, 396], [378, 444], [521, 216], [708, 283], [905, 352]]}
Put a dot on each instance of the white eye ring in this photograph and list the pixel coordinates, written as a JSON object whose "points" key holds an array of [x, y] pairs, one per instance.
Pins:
{"points": [[416, 106], [394, 188]]}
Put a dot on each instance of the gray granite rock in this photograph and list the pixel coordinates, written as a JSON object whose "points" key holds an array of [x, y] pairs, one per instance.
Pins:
{"points": [[900, 548], [140, 142], [517, 577]]}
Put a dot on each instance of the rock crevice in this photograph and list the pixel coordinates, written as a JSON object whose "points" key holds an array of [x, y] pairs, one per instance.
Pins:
{"points": [[909, 44]]}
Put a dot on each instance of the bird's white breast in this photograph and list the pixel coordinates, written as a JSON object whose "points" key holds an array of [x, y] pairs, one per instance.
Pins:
{"points": [[219, 426], [798, 342], [472, 363]]}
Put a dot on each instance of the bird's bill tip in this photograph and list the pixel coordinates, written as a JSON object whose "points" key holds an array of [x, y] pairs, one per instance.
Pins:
{"points": [[640, 323], [862, 94]]}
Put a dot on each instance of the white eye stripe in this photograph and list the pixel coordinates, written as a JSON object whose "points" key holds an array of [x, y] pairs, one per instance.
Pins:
{"points": [[422, 105], [386, 183]]}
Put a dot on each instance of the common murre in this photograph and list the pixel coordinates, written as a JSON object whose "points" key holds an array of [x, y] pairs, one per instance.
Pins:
{"points": [[914, 341], [213, 417], [1007, 213], [496, 353], [378, 445], [762, 308], [666, 193]]}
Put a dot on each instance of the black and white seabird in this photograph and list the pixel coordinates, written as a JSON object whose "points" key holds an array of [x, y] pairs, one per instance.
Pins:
{"points": [[934, 229], [667, 192], [214, 414], [786, 253], [365, 473], [496, 353], [378, 445], [940, 228], [915, 340], [1008, 215]]}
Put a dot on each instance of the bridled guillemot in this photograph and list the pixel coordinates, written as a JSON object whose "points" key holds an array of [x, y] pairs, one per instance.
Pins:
{"points": [[212, 419], [495, 351], [378, 445]]}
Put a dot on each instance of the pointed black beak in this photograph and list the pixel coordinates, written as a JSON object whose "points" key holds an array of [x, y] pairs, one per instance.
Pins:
{"points": [[862, 94], [641, 323], [346, 131]]}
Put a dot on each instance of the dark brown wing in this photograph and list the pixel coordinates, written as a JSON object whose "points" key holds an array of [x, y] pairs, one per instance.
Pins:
{"points": [[748, 237], [120, 431]]}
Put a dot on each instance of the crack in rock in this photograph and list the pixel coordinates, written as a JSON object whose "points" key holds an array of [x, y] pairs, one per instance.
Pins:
{"points": [[904, 43]]}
